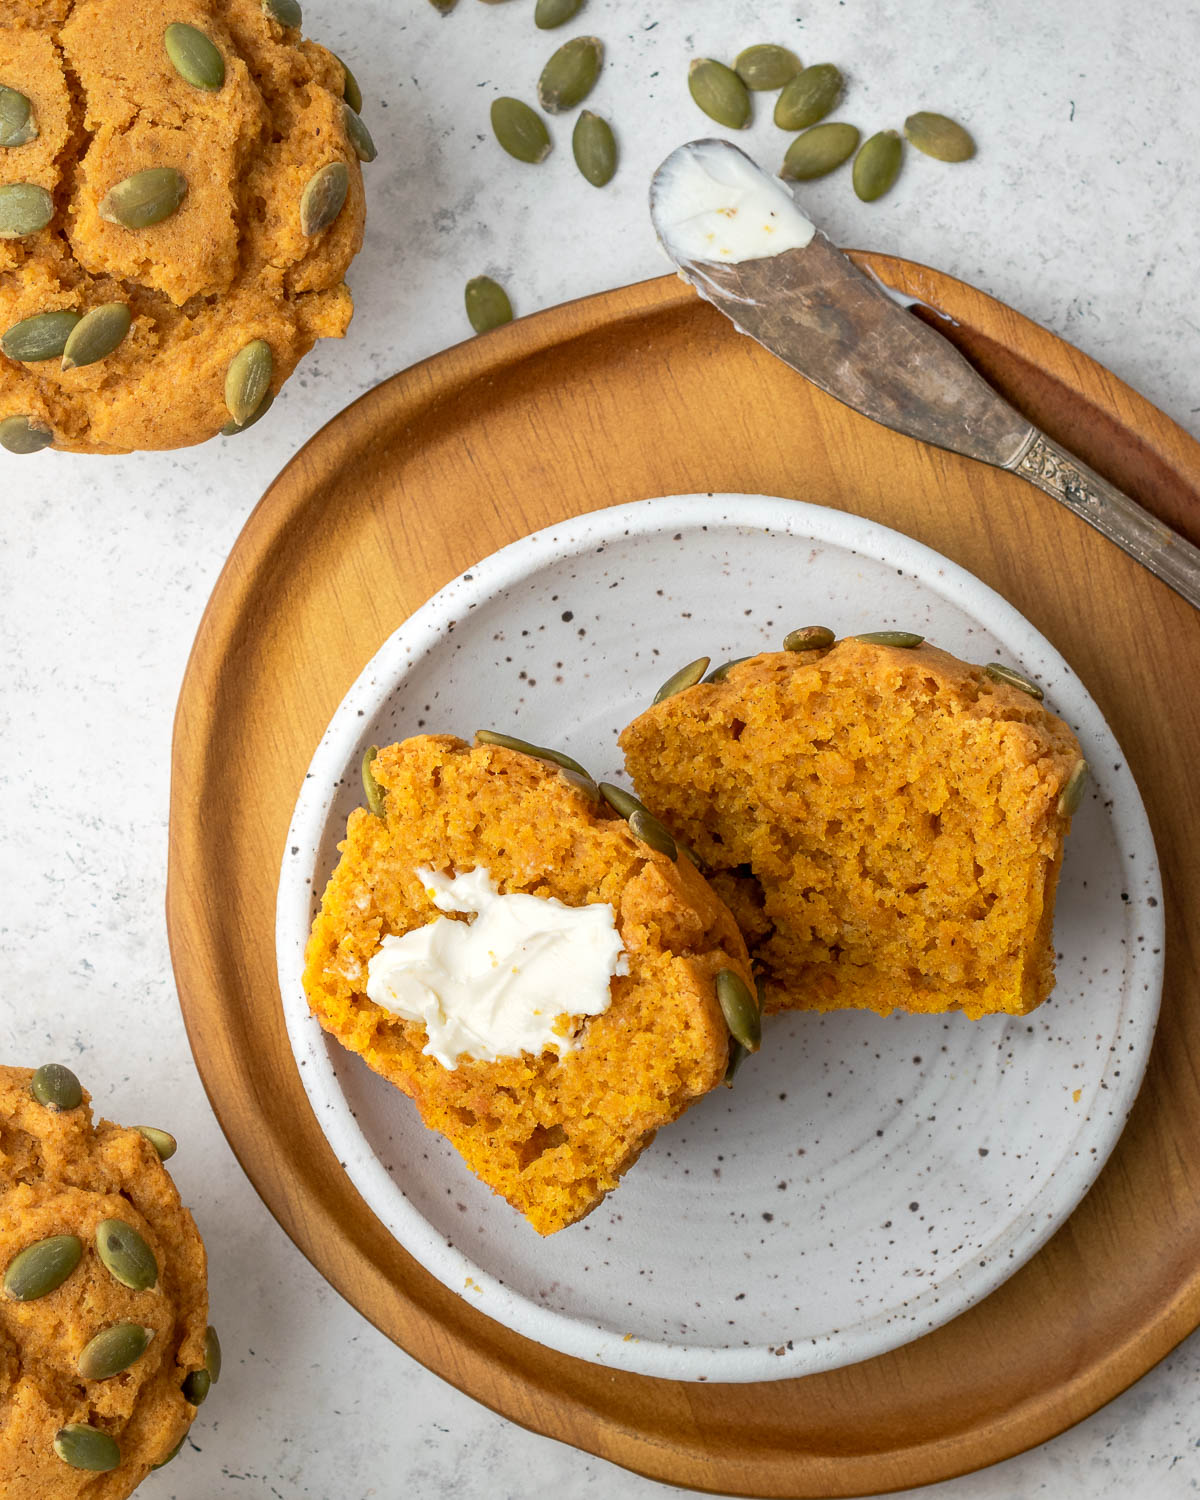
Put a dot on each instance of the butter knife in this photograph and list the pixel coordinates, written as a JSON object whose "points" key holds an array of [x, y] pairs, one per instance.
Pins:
{"points": [[739, 237]]}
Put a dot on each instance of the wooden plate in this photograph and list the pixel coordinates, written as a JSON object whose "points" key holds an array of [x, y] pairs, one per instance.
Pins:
{"points": [[647, 391]]}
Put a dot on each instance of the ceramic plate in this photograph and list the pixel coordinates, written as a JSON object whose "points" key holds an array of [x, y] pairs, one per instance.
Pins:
{"points": [[866, 1180]]}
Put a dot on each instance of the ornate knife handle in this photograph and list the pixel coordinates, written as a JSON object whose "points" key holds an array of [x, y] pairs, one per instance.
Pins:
{"points": [[1061, 475]]}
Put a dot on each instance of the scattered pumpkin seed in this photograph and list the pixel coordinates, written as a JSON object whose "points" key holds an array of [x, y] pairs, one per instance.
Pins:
{"points": [[232, 428], [1072, 792], [570, 75], [17, 125], [523, 747], [126, 1255], [55, 1087], [212, 1353], [766, 67], [174, 1453], [24, 435], [487, 304], [646, 828], [196, 1387], [620, 800], [690, 854], [146, 198], [113, 1350], [84, 1447], [809, 638], [194, 56], [737, 1056], [44, 336], [938, 136], [162, 1140], [351, 92], [739, 1006], [373, 792], [877, 164], [248, 380], [818, 151], [24, 209], [719, 92], [808, 97], [360, 137], [520, 130], [97, 335], [685, 678], [42, 1268], [547, 14], [719, 674], [905, 639], [286, 12], [1000, 673], [595, 148], [583, 784], [323, 197]]}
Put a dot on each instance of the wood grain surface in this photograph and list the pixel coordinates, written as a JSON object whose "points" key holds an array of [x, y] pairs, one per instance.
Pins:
{"points": [[639, 392]]}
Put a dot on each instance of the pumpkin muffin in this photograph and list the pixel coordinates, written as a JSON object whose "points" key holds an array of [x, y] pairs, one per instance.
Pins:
{"points": [[104, 1351], [886, 822], [180, 200], [552, 1130]]}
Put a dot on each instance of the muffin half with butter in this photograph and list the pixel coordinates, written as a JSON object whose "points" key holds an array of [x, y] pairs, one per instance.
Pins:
{"points": [[532, 960]]}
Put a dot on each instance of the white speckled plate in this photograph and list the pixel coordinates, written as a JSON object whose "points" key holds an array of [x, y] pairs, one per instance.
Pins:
{"points": [[867, 1179]]}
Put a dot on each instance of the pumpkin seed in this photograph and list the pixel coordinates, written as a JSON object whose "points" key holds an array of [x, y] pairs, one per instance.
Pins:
{"points": [[44, 336], [719, 92], [248, 380], [351, 92], [737, 1056], [739, 1006], [24, 435], [808, 97], [24, 209], [371, 789], [1072, 792], [126, 1255], [809, 638], [1000, 673], [877, 165], [17, 125], [690, 854], [906, 639], [286, 12], [685, 678], [323, 197], [646, 828], [719, 674], [547, 14], [360, 137], [162, 1140], [174, 1453], [539, 752], [212, 1353], [97, 335], [196, 1387], [231, 428], [43, 1267], [144, 199], [570, 75], [766, 67], [595, 148], [583, 784], [520, 131], [819, 151], [85, 1447], [56, 1087], [487, 304], [938, 136], [620, 800], [194, 56], [113, 1350]]}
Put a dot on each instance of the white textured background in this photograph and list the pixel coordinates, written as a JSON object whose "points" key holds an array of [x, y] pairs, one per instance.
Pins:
{"points": [[1081, 209]]}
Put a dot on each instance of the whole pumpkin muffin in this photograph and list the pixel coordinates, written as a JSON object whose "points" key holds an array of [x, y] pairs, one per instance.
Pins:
{"points": [[104, 1349], [180, 200], [549, 982], [885, 821]]}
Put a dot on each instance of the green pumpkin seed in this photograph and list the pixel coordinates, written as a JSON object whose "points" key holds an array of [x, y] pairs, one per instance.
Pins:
{"points": [[547, 14], [56, 1087], [248, 380], [196, 1387], [162, 1140], [360, 137], [737, 1056], [539, 752], [212, 1353], [877, 165], [44, 336], [42, 1268], [646, 828], [487, 304], [97, 335], [685, 678], [1000, 673], [24, 435], [766, 67], [24, 209], [351, 92], [323, 197], [939, 136], [17, 125], [570, 75], [1072, 792], [145, 199], [520, 130], [286, 12], [194, 56], [819, 151], [905, 639], [719, 92], [126, 1255], [621, 801], [808, 97], [719, 674], [739, 1006], [690, 854], [595, 148], [89, 1448], [373, 792], [809, 638], [583, 784], [113, 1350], [174, 1453], [231, 428]]}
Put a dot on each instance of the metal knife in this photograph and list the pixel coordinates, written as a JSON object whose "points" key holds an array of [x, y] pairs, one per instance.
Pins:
{"points": [[812, 307]]}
